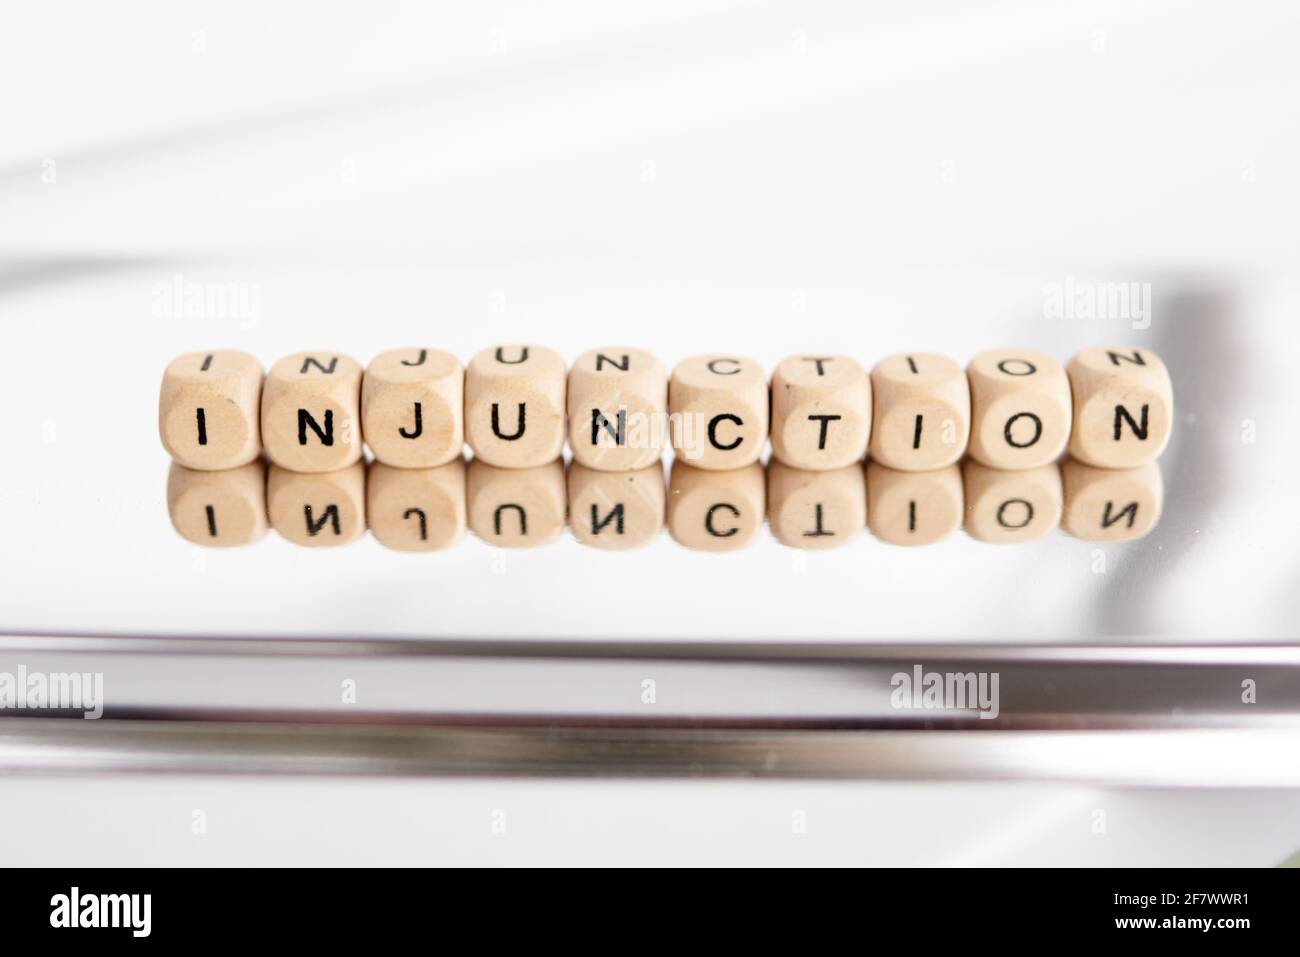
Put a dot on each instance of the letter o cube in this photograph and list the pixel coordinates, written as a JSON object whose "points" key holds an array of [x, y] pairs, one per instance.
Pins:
{"points": [[1020, 409]]}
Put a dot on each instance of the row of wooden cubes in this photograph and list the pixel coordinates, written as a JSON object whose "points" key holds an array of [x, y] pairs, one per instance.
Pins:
{"points": [[430, 509], [1010, 408]]}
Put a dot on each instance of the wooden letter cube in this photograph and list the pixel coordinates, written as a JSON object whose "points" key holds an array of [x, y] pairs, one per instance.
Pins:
{"points": [[514, 406], [218, 508], [922, 412], [824, 509], [715, 511], [821, 412], [913, 508], [1111, 505], [516, 508], [719, 408], [413, 408], [1020, 409], [311, 408], [616, 510], [618, 409], [208, 409], [1123, 407], [1011, 507], [318, 509], [416, 510]]}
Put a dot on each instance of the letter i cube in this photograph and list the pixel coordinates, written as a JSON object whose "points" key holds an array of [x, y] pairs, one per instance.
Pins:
{"points": [[922, 412], [208, 409]]}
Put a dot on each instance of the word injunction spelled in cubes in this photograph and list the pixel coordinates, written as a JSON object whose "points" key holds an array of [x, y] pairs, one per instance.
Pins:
{"points": [[912, 451]]}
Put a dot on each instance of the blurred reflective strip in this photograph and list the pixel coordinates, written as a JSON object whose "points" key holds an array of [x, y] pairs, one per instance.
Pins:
{"points": [[1200, 758]]}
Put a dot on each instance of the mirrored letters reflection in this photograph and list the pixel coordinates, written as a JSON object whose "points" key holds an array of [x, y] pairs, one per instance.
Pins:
{"points": [[430, 509]]}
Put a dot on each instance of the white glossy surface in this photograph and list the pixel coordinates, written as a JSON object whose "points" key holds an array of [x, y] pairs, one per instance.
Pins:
{"points": [[769, 179], [689, 175]]}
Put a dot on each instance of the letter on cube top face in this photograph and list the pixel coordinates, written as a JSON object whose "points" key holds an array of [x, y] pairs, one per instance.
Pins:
{"points": [[913, 508], [516, 508], [218, 509], [713, 510], [813, 510], [1020, 408], [413, 407], [416, 510], [317, 509], [1011, 507], [921, 412], [1123, 407], [208, 409], [719, 409], [618, 404], [311, 412], [515, 406], [1110, 505], [616, 510], [821, 412]]}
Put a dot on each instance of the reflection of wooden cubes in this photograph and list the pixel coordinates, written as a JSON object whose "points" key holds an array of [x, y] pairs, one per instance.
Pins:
{"points": [[514, 406], [1110, 505], [921, 417], [618, 409], [416, 510], [311, 412], [516, 508], [913, 508], [616, 510], [715, 511], [318, 509], [218, 508], [413, 408], [823, 509], [821, 412], [719, 408], [1011, 507], [1020, 408], [208, 409], [1123, 407]]}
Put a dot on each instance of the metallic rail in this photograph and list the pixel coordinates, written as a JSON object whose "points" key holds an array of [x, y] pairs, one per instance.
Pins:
{"points": [[1222, 715]]}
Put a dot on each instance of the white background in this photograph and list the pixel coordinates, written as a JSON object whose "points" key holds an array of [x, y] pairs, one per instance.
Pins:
{"points": [[764, 178]]}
